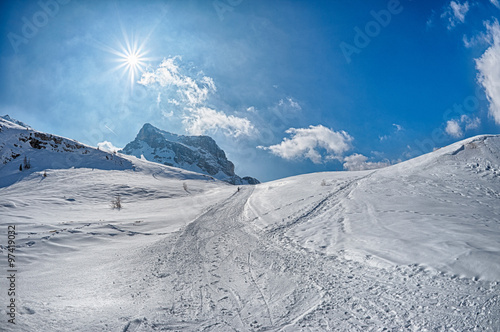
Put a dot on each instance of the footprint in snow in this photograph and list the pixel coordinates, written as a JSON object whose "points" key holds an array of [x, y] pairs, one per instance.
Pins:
{"points": [[26, 310], [132, 325]]}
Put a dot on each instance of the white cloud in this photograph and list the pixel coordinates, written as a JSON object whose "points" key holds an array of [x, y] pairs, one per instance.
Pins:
{"points": [[294, 104], [398, 127], [483, 38], [191, 91], [309, 142], [456, 127], [459, 10], [488, 66], [455, 13], [495, 3], [453, 129], [358, 162], [470, 123], [107, 146], [203, 119], [468, 43], [290, 102], [188, 95]]}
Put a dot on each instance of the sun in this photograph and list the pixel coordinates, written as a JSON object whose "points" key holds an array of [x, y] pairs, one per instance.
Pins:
{"points": [[132, 60], [130, 57]]}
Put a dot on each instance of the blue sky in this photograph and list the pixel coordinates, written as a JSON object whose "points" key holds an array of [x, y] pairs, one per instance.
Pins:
{"points": [[284, 87]]}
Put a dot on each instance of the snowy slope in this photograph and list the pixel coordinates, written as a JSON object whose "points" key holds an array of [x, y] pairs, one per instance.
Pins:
{"points": [[66, 227], [195, 153], [440, 210], [411, 247]]}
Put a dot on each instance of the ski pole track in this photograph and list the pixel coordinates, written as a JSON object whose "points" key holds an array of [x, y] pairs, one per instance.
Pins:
{"points": [[220, 273], [331, 199]]}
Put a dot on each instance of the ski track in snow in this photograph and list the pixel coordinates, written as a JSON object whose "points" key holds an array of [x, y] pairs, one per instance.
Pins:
{"points": [[222, 274]]}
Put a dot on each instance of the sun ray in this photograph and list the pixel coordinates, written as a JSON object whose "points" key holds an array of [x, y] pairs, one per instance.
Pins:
{"points": [[131, 57]]}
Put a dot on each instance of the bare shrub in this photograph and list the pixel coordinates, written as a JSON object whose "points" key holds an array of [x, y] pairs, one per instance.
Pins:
{"points": [[116, 203]]}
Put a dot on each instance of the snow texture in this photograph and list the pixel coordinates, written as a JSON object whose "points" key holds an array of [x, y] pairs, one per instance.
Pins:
{"points": [[411, 247]]}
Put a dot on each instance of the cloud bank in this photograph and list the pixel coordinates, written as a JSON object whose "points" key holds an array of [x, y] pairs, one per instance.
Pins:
{"points": [[316, 143], [488, 66]]}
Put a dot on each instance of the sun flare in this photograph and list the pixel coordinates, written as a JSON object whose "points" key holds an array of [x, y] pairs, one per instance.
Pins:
{"points": [[132, 61], [131, 58]]}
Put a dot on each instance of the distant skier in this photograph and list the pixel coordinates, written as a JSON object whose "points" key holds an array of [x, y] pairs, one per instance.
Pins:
{"points": [[238, 189]]}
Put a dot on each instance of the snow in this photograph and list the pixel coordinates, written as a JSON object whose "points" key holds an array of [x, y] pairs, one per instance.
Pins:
{"points": [[440, 211], [415, 246]]}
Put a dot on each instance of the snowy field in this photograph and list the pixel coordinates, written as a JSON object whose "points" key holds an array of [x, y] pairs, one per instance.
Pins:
{"points": [[412, 247]]}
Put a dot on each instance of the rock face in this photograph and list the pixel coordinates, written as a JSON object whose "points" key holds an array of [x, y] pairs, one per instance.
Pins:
{"points": [[194, 153], [18, 139]]}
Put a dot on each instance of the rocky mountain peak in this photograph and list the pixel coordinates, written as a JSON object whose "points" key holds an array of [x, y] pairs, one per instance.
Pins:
{"points": [[195, 153]]}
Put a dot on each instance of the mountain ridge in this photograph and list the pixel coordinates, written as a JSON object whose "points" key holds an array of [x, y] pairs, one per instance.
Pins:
{"points": [[195, 153], [44, 151]]}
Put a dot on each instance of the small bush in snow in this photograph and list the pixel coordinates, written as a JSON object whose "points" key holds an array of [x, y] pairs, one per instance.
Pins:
{"points": [[116, 203]]}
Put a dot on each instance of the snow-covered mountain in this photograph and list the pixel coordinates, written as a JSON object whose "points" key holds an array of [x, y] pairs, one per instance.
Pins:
{"points": [[22, 146], [8, 118], [411, 247], [24, 150], [195, 153]]}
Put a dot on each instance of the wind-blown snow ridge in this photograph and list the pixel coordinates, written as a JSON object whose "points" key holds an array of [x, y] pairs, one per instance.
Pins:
{"points": [[489, 147]]}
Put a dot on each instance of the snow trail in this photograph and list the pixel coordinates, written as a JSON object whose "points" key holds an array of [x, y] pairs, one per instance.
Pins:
{"points": [[221, 273]]}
